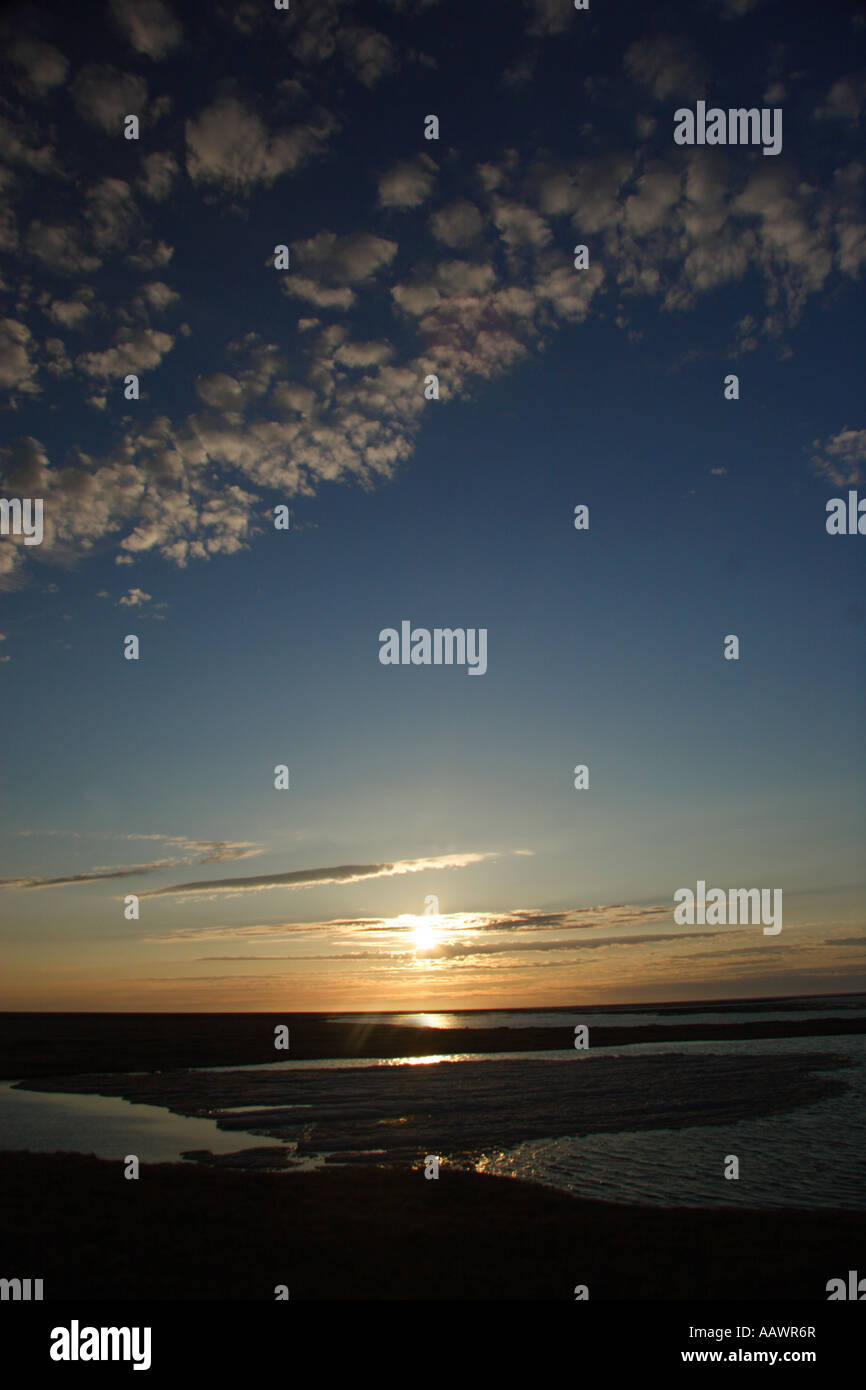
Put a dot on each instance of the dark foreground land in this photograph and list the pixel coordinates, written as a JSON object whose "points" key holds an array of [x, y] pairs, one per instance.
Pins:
{"points": [[191, 1233], [33, 1044]]}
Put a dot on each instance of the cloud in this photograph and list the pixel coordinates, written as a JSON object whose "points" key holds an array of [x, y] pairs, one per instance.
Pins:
{"points": [[522, 922], [149, 25], [340, 260], [302, 287], [157, 295], [367, 53], [349, 404], [335, 263], [19, 144], [134, 598], [133, 350], [363, 354], [343, 873], [841, 458], [158, 173], [457, 224], [72, 313], [228, 144], [44, 65], [92, 876], [845, 99], [668, 66], [198, 851], [59, 247], [104, 96], [150, 255], [17, 366], [521, 72], [224, 851], [408, 183], [549, 16], [111, 212]]}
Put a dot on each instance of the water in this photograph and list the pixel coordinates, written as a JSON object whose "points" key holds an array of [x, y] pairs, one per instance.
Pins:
{"points": [[43, 1122], [739, 1011], [811, 1155]]}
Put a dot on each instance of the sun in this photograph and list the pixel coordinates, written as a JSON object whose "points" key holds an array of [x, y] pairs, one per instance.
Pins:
{"points": [[420, 932], [424, 936]]}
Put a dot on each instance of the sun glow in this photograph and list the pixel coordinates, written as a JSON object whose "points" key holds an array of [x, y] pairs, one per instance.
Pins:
{"points": [[425, 934], [428, 931]]}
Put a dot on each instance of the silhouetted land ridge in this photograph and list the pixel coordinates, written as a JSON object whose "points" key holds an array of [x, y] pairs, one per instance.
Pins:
{"points": [[36, 1044]]}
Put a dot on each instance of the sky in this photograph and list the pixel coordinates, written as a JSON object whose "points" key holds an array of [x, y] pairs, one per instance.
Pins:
{"points": [[431, 849]]}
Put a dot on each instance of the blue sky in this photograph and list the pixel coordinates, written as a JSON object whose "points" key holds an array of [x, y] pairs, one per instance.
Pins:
{"points": [[558, 387]]}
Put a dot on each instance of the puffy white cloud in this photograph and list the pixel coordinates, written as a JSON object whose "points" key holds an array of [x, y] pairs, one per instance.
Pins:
{"points": [[158, 296], [104, 96], [133, 598], [457, 224], [788, 241], [72, 313], [59, 247], [658, 190], [133, 350], [18, 143], [44, 65], [345, 259], [221, 391], [335, 264], [111, 211], [150, 255], [598, 185], [303, 287], [17, 367], [228, 144], [549, 16], [408, 183], [158, 173], [519, 225], [149, 25], [845, 99], [363, 354], [367, 53]]}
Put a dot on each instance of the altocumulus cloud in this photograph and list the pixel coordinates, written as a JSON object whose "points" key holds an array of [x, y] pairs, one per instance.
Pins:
{"points": [[275, 411]]}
